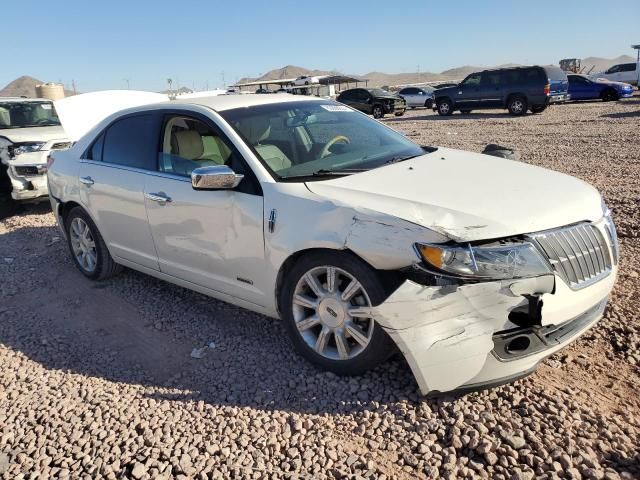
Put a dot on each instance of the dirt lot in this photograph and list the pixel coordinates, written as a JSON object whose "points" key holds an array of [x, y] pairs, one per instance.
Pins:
{"points": [[96, 379]]}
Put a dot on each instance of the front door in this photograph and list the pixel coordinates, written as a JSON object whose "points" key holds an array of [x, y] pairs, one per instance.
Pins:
{"points": [[468, 93], [213, 239], [111, 181]]}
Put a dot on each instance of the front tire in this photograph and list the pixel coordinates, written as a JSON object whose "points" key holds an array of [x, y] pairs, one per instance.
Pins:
{"points": [[609, 95], [377, 111], [517, 105], [324, 304], [445, 107], [87, 247]]}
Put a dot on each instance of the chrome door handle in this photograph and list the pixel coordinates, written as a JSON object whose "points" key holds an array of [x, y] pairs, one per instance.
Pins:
{"points": [[160, 197], [88, 181]]}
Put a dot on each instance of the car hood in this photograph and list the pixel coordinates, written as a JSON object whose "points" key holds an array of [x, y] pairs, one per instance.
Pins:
{"points": [[388, 97], [33, 134], [468, 196]]}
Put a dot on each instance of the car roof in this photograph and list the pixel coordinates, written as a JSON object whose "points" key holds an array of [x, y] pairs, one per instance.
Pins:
{"points": [[228, 102]]}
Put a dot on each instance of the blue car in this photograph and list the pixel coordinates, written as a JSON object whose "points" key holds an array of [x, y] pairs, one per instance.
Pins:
{"points": [[587, 87]]}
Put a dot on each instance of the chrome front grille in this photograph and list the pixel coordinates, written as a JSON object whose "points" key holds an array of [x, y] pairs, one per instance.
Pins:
{"points": [[579, 254]]}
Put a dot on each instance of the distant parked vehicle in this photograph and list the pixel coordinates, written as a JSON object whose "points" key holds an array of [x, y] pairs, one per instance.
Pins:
{"points": [[417, 96], [444, 85], [29, 131], [517, 89], [264, 90], [373, 101], [586, 87], [623, 72], [306, 80]]}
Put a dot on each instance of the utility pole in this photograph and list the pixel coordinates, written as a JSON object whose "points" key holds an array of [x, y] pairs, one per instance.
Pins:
{"points": [[223, 83], [127, 82], [73, 87]]}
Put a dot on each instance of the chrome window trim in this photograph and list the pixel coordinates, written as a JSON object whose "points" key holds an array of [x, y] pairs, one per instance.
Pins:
{"points": [[152, 173]]}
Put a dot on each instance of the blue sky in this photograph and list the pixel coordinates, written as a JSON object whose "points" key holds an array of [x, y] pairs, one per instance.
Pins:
{"points": [[100, 44]]}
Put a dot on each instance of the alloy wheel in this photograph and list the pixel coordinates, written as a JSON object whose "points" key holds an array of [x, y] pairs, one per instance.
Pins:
{"points": [[83, 245], [517, 106], [331, 310]]}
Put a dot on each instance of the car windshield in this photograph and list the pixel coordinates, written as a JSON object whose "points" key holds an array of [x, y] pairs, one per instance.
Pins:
{"points": [[318, 138], [378, 92], [27, 114]]}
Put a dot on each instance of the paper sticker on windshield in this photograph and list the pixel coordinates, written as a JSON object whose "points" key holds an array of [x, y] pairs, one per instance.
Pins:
{"points": [[336, 108], [46, 106]]}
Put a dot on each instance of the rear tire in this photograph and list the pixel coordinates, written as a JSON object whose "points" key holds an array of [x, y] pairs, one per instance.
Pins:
{"points": [[87, 247], [538, 109], [609, 95], [337, 350], [377, 111], [445, 107], [399, 114], [517, 105], [429, 104]]}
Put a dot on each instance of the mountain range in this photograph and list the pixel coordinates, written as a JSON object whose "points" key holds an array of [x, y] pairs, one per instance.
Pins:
{"points": [[26, 85]]}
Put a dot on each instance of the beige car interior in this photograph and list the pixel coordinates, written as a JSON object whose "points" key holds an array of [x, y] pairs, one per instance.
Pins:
{"points": [[189, 144], [257, 131]]}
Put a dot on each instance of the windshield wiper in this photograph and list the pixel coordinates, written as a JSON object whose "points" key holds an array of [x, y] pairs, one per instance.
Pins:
{"points": [[345, 171], [401, 158], [323, 172]]}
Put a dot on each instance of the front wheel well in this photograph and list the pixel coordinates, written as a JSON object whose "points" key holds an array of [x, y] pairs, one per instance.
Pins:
{"points": [[390, 279], [65, 208]]}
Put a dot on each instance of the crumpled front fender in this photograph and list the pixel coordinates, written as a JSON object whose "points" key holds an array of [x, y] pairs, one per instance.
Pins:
{"points": [[445, 332]]}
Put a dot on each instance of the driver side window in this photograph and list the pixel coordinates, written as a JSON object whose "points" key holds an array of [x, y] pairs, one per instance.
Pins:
{"points": [[188, 143], [472, 80]]}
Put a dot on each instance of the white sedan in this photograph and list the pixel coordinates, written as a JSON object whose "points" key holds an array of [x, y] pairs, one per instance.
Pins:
{"points": [[474, 267]]}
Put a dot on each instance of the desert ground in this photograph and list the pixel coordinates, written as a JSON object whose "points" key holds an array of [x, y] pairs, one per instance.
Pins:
{"points": [[97, 379]]}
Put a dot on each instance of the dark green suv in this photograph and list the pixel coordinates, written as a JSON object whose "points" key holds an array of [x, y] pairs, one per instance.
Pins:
{"points": [[373, 101]]}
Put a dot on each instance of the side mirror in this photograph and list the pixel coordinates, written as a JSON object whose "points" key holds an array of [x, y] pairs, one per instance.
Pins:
{"points": [[219, 177]]}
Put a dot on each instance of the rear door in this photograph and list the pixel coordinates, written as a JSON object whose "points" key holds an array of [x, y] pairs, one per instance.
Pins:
{"points": [[213, 238], [411, 96], [112, 176], [490, 90]]}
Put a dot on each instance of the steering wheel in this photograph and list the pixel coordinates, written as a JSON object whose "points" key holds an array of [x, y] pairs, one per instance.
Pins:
{"points": [[338, 138]]}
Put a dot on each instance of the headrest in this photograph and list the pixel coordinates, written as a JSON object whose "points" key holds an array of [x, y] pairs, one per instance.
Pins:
{"points": [[255, 129], [189, 144]]}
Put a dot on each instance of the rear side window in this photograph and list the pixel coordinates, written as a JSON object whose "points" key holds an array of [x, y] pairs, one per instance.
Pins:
{"points": [[628, 67], [132, 142], [555, 73], [95, 152]]}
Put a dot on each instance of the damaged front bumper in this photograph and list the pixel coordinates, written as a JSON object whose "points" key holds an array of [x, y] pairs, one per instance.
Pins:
{"points": [[28, 176], [456, 337]]}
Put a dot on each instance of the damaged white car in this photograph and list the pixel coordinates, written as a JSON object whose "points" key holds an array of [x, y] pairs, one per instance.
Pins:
{"points": [[29, 131], [475, 267]]}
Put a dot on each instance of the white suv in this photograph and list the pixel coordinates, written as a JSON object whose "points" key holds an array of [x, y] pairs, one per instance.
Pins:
{"points": [[475, 267], [29, 131], [623, 72]]}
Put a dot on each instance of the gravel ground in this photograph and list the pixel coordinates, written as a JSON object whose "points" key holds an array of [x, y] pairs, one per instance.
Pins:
{"points": [[98, 381]]}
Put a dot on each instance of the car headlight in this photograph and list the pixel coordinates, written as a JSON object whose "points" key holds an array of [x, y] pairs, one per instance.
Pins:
{"points": [[498, 262], [26, 147]]}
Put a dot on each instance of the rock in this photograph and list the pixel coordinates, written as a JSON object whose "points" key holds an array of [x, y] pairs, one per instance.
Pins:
{"points": [[4, 463], [515, 441], [138, 470], [198, 352]]}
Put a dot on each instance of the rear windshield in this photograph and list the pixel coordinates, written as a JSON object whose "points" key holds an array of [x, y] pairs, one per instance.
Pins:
{"points": [[555, 73]]}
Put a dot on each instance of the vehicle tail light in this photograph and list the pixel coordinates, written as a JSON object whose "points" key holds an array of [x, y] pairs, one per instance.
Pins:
{"points": [[50, 161], [547, 89]]}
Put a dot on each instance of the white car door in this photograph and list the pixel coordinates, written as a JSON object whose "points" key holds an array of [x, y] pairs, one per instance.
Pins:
{"points": [[213, 239], [112, 175]]}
